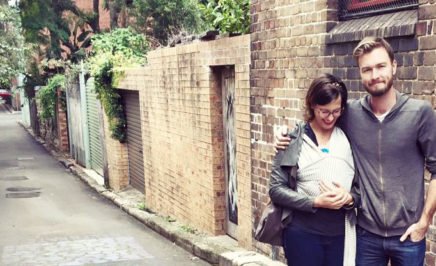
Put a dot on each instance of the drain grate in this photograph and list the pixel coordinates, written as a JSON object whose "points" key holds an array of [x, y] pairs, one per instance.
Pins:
{"points": [[23, 195], [22, 192], [8, 163], [21, 189], [13, 178]]}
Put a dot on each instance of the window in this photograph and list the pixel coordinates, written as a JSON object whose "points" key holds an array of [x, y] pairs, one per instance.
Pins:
{"points": [[350, 9]]}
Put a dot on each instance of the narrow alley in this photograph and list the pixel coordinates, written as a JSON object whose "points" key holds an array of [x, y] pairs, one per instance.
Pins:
{"points": [[50, 217]]}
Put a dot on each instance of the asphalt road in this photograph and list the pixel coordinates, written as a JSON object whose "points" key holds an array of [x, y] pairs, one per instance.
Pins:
{"points": [[50, 217]]}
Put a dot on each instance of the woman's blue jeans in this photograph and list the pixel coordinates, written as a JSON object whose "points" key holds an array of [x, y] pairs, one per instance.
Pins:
{"points": [[376, 250], [307, 249]]}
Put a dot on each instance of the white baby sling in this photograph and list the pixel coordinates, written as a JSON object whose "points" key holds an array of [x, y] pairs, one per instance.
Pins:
{"points": [[334, 163]]}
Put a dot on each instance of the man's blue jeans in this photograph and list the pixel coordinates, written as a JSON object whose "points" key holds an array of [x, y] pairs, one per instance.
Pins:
{"points": [[376, 250]]}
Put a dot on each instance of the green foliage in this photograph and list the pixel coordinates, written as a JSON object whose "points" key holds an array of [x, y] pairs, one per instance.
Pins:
{"points": [[4, 84], [110, 99], [143, 207], [162, 19], [12, 49], [189, 229], [227, 16], [112, 52], [123, 43], [170, 219], [158, 19], [47, 96]]}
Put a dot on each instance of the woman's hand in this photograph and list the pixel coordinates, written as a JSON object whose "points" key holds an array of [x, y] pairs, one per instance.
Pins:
{"points": [[332, 196]]}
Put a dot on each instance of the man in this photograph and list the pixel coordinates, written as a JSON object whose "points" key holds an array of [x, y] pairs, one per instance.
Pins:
{"points": [[392, 137]]}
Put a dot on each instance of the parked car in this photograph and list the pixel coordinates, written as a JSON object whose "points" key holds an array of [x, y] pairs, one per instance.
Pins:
{"points": [[5, 93], [5, 96]]}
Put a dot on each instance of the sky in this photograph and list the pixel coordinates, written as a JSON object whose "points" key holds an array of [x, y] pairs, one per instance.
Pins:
{"points": [[13, 2]]}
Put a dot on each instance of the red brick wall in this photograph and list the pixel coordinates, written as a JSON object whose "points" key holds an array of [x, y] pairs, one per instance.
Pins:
{"points": [[62, 125], [293, 42]]}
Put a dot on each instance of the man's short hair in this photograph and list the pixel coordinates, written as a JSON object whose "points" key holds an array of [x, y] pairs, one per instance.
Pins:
{"points": [[370, 43]]}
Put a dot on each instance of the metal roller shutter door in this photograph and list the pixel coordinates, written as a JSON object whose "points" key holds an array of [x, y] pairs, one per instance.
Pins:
{"points": [[94, 126], [134, 139]]}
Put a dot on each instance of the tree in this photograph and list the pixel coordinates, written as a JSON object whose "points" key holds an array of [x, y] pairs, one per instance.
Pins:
{"points": [[158, 19], [59, 33], [162, 19], [12, 52], [118, 9], [94, 22], [51, 23]]}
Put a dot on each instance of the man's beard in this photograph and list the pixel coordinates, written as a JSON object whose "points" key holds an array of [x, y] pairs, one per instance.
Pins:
{"points": [[378, 93]]}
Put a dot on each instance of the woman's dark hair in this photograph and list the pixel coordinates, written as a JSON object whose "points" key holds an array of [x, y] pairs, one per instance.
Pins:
{"points": [[323, 90]]}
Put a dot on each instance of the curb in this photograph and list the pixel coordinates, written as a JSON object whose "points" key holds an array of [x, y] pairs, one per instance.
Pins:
{"points": [[215, 250]]}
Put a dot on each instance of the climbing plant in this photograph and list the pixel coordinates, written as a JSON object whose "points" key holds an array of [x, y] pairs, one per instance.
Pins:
{"points": [[112, 52], [48, 96]]}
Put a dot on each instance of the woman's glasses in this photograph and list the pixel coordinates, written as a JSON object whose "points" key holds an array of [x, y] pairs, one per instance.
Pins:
{"points": [[323, 113]]}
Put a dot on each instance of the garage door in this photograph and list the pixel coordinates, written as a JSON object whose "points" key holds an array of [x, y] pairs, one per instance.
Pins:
{"points": [[94, 127], [134, 139]]}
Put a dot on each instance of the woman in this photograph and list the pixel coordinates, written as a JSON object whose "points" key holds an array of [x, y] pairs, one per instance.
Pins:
{"points": [[316, 200]]}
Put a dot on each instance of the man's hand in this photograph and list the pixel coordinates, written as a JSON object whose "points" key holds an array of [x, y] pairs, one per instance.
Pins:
{"points": [[416, 231], [282, 140]]}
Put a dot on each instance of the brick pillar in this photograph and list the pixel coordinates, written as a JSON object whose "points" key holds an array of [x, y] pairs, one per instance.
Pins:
{"points": [[117, 159], [62, 125]]}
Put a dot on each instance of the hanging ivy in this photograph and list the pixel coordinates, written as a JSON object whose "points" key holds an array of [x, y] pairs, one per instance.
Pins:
{"points": [[111, 100], [112, 52]]}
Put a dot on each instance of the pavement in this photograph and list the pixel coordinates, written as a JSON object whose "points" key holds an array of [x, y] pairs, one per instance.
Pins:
{"points": [[216, 250]]}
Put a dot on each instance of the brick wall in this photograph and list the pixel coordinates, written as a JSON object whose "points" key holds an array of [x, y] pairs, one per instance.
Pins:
{"points": [[424, 83], [182, 124], [117, 160], [62, 125], [294, 41]]}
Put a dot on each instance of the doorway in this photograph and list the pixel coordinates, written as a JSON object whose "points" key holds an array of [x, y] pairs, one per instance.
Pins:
{"points": [[227, 83]]}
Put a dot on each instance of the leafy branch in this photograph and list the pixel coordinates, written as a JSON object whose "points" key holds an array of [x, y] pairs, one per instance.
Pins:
{"points": [[227, 16]]}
